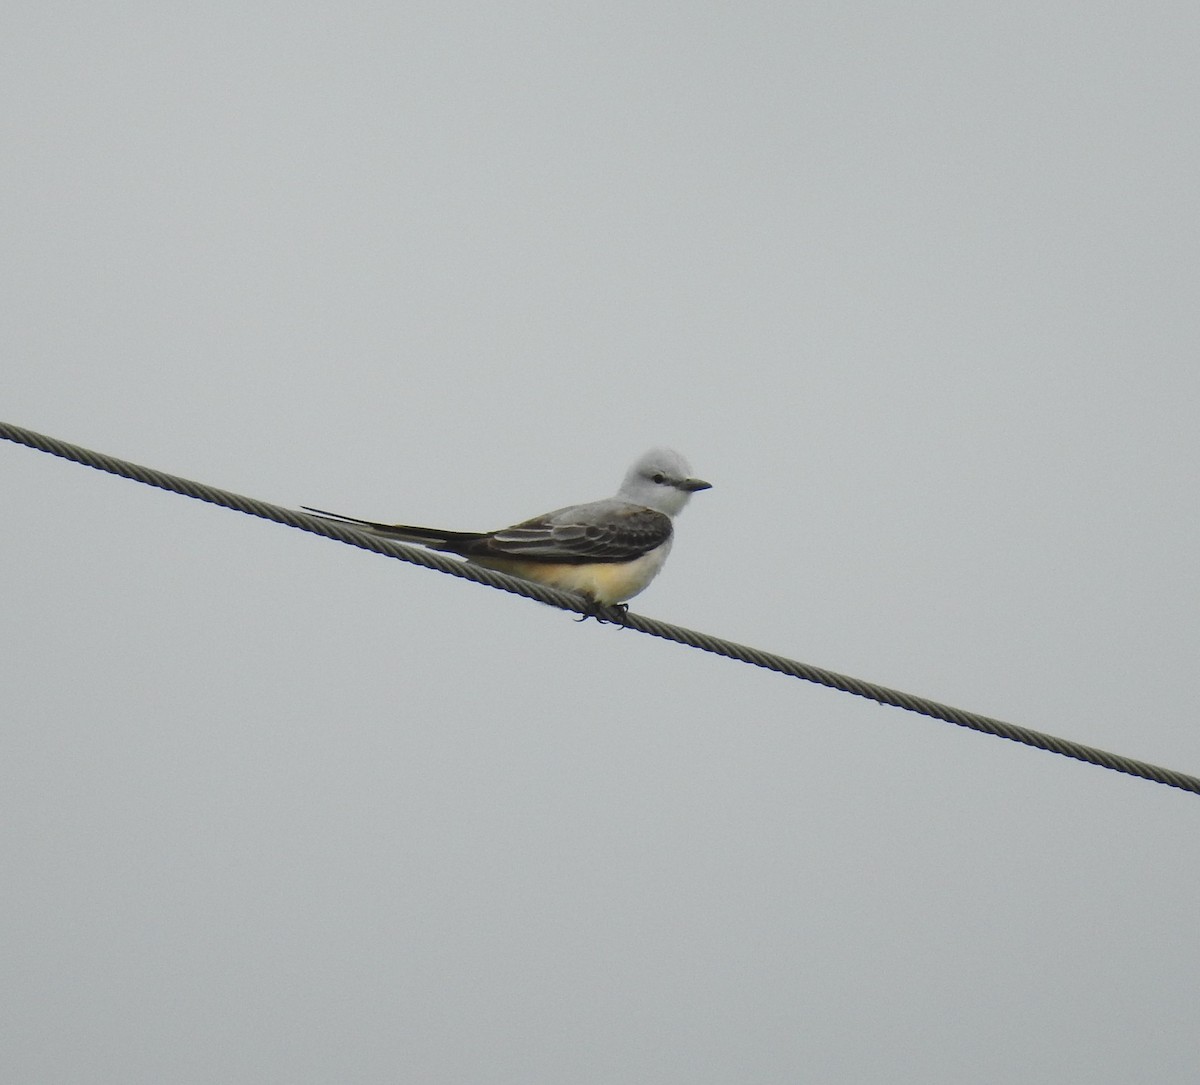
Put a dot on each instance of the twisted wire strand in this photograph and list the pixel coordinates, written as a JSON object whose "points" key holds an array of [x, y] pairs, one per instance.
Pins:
{"points": [[705, 642]]}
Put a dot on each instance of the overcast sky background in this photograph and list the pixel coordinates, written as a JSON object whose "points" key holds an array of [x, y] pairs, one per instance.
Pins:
{"points": [[915, 286]]}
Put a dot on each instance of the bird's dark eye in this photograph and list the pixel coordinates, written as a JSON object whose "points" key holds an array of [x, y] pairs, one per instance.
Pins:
{"points": [[658, 477]]}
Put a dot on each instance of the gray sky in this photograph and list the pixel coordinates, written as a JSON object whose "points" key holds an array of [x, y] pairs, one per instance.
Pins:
{"points": [[914, 286]]}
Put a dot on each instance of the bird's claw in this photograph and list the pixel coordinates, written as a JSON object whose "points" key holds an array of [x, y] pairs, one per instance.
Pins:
{"points": [[604, 614]]}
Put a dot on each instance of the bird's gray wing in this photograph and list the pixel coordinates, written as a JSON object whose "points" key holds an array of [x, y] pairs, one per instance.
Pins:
{"points": [[604, 531]]}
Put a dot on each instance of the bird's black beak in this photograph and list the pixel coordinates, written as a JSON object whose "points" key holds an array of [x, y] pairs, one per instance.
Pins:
{"points": [[691, 485]]}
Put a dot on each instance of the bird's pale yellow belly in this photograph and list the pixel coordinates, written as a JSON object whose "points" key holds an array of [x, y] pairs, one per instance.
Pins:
{"points": [[604, 582]]}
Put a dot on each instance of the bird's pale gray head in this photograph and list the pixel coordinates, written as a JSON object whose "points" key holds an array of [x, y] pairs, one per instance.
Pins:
{"points": [[662, 479]]}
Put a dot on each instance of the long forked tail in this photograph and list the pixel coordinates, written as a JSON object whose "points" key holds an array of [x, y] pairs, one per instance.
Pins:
{"points": [[452, 541]]}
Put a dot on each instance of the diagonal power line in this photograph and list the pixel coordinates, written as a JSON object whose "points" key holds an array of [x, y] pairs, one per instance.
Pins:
{"points": [[567, 601]]}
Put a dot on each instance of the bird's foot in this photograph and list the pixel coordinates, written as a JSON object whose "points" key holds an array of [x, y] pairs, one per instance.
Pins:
{"points": [[611, 614]]}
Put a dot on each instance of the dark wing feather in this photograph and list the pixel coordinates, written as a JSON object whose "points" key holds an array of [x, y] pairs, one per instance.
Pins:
{"points": [[604, 532]]}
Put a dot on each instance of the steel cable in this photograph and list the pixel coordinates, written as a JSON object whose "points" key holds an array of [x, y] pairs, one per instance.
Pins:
{"points": [[430, 559]]}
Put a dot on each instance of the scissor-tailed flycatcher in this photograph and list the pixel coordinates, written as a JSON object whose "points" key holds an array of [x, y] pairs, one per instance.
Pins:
{"points": [[607, 551]]}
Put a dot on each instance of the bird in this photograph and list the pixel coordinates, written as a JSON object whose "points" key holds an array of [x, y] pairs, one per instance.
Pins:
{"points": [[607, 551]]}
